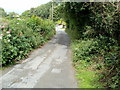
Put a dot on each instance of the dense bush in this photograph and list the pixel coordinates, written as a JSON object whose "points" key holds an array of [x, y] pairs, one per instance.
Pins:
{"points": [[84, 49], [19, 37], [100, 22]]}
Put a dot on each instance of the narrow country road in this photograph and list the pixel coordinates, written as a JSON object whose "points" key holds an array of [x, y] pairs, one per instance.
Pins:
{"points": [[46, 67]]}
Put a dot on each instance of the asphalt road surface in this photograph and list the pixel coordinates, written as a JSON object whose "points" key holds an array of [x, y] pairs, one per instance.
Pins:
{"points": [[46, 67]]}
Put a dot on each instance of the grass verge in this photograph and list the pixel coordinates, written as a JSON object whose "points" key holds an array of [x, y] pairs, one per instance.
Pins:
{"points": [[87, 76], [86, 72]]}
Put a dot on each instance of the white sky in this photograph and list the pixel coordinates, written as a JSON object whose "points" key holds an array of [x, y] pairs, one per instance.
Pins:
{"points": [[20, 6]]}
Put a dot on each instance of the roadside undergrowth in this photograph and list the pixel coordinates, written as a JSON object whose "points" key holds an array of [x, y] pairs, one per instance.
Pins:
{"points": [[94, 29], [87, 73], [20, 37]]}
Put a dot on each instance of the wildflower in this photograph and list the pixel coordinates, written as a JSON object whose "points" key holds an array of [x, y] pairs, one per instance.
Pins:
{"points": [[17, 23], [9, 35], [8, 40], [1, 34], [18, 19], [0, 37], [2, 26], [8, 32]]}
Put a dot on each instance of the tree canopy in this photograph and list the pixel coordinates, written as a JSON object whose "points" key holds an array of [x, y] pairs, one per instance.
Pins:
{"points": [[42, 11], [2, 12]]}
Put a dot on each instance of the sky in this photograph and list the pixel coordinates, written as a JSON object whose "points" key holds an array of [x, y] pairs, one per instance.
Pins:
{"points": [[20, 6]]}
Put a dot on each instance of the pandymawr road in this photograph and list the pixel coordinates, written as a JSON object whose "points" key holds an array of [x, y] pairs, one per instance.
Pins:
{"points": [[46, 67]]}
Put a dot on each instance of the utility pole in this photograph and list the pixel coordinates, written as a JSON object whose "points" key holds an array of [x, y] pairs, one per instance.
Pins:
{"points": [[52, 10]]}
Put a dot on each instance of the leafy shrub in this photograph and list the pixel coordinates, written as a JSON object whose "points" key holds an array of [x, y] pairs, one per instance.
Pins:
{"points": [[44, 27], [110, 53], [83, 50], [106, 56], [22, 36]]}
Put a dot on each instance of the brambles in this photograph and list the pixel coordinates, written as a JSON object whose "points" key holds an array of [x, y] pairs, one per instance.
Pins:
{"points": [[19, 37]]}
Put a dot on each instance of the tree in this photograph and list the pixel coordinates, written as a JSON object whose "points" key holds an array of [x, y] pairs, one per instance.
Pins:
{"points": [[2, 12], [27, 13], [42, 11], [12, 15]]}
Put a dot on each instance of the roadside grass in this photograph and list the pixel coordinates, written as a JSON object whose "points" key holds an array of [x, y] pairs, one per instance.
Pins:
{"points": [[87, 76], [87, 73]]}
